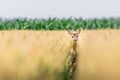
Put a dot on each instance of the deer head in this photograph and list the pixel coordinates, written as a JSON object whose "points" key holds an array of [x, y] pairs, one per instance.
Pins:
{"points": [[75, 34]]}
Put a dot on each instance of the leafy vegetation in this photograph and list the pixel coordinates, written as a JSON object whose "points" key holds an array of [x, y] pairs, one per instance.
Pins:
{"points": [[58, 24]]}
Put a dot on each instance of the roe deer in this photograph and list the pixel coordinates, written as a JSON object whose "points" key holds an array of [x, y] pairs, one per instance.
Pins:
{"points": [[73, 52]]}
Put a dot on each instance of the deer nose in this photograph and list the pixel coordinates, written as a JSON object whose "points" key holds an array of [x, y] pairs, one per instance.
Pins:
{"points": [[75, 40]]}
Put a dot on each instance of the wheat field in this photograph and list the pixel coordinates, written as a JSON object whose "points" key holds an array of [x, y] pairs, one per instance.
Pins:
{"points": [[33, 55], [99, 55], [41, 55]]}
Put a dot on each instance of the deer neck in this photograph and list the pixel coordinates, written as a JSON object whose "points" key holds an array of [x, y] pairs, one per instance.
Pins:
{"points": [[74, 45]]}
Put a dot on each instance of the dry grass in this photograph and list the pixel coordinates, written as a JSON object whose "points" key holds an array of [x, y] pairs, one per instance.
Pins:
{"points": [[33, 55], [41, 55], [99, 55]]}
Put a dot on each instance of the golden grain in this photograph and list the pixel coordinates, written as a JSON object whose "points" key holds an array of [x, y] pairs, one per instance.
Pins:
{"points": [[99, 55], [33, 55]]}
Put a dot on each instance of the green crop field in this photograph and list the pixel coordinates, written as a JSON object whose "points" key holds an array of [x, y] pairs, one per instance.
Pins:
{"points": [[58, 24]]}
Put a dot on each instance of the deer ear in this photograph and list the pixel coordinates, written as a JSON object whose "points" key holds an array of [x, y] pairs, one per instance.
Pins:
{"points": [[78, 31], [70, 32]]}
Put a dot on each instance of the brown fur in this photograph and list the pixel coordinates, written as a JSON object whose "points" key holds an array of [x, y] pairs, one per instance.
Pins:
{"points": [[73, 52], [73, 56]]}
